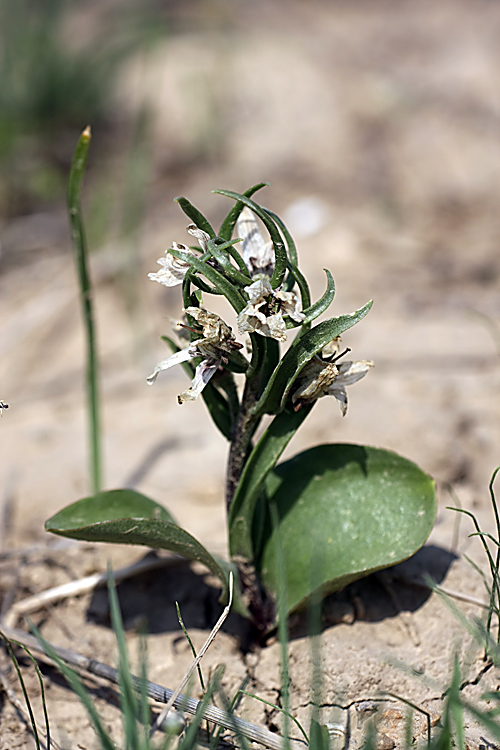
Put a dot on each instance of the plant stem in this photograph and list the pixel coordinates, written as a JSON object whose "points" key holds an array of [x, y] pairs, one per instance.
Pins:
{"points": [[240, 443], [80, 248]]}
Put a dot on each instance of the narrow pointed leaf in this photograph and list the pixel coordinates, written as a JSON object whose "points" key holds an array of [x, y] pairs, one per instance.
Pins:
{"points": [[296, 276], [322, 304], [79, 241], [218, 280], [345, 511], [229, 223], [303, 349], [292, 249], [271, 361], [127, 517], [220, 253], [278, 244], [195, 215]]}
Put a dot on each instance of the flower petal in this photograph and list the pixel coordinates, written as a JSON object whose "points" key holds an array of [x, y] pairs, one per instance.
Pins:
{"points": [[340, 394], [257, 254], [289, 304], [265, 309], [321, 378], [332, 348], [314, 380], [216, 333], [184, 355], [351, 372], [174, 269], [200, 235], [251, 320], [204, 372]]}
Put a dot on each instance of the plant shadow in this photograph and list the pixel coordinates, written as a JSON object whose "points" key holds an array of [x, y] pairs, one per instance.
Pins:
{"points": [[384, 594], [147, 602]]}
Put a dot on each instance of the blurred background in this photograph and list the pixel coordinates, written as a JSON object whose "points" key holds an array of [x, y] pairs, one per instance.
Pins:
{"points": [[377, 123]]}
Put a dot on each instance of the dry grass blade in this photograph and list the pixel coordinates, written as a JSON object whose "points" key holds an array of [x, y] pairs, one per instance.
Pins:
{"points": [[220, 622], [159, 693]]}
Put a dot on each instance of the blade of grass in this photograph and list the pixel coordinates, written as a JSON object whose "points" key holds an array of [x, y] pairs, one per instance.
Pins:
{"points": [[42, 692], [80, 248], [281, 710], [128, 698], [77, 686], [191, 644], [282, 620], [456, 707], [415, 707], [497, 557], [25, 693], [241, 740], [495, 588], [233, 705], [50, 653], [198, 658]]}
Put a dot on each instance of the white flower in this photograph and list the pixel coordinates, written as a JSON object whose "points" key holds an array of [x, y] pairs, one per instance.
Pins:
{"points": [[217, 341], [321, 377], [265, 309], [174, 269], [200, 235], [256, 252]]}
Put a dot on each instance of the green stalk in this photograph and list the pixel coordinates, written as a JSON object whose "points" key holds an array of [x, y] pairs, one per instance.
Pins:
{"points": [[80, 248]]}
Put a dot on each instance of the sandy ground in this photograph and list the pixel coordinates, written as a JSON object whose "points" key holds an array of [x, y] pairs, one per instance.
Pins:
{"points": [[385, 117]]}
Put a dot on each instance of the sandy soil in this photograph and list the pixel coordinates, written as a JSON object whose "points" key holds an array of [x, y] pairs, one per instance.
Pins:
{"points": [[385, 117]]}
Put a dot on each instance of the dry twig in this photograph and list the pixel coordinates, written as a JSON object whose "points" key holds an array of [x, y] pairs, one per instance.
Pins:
{"points": [[158, 693]]}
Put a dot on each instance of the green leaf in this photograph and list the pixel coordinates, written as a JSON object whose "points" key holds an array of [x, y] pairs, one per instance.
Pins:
{"points": [[221, 254], [76, 684], [127, 517], [302, 350], [79, 242], [322, 304], [280, 255], [292, 250], [195, 215], [218, 280], [227, 226], [270, 361], [344, 511], [319, 738], [260, 462], [295, 275]]}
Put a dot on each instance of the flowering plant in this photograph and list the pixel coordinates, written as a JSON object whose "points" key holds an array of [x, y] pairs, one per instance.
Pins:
{"points": [[328, 516]]}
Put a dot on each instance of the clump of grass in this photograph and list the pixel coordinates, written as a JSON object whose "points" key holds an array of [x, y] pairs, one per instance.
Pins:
{"points": [[493, 558], [35, 729], [52, 83]]}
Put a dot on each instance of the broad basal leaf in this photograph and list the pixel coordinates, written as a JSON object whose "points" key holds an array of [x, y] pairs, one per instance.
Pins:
{"points": [[127, 517], [345, 511]]}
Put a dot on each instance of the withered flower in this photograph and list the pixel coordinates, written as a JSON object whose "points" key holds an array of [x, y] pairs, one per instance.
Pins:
{"points": [[217, 341], [324, 375], [174, 269], [256, 252], [265, 310]]}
